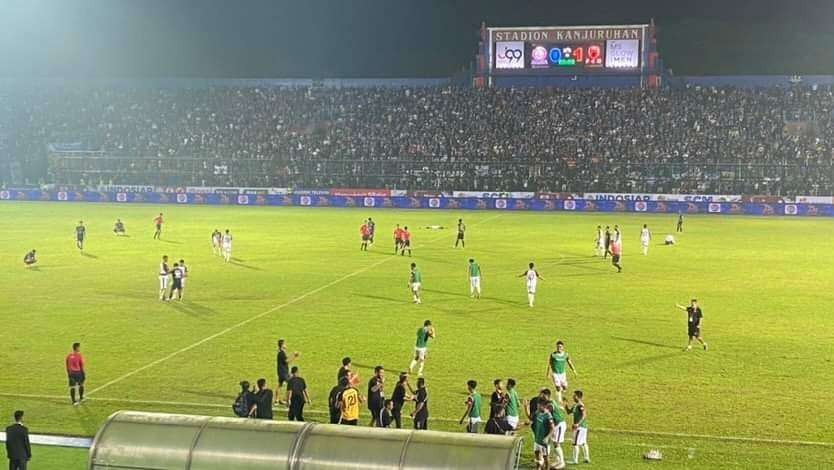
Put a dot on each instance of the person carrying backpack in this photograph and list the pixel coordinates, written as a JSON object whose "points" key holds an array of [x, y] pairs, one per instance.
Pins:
{"points": [[244, 401]]}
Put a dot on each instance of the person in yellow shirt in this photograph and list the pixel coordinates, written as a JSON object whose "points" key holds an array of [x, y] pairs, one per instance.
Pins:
{"points": [[349, 402]]}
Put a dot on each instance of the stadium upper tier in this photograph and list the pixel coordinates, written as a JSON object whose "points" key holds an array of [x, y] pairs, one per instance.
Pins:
{"points": [[768, 141]]}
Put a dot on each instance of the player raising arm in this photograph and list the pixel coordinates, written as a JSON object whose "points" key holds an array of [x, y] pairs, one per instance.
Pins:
{"points": [[694, 316], [532, 282], [421, 347]]}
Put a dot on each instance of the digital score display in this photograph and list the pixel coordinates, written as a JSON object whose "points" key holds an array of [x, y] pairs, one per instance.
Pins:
{"points": [[574, 50]]}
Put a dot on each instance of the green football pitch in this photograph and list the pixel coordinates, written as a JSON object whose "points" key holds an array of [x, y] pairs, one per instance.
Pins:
{"points": [[761, 397]]}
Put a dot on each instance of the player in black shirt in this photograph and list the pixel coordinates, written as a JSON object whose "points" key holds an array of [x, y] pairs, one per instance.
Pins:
{"points": [[498, 399], [29, 259], [263, 402], [80, 235], [119, 227], [385, 417], [282, 363], [421, 408], [296, 396], [333, 400], [461, 233], [694, 315], [376, 394], [399, 397]]}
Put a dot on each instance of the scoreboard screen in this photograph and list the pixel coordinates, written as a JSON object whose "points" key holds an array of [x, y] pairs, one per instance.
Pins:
{"points": [[567, 50]]}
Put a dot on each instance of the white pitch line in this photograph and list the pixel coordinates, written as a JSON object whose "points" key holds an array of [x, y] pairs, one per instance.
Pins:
{"points": [[256, 317], [710, 437]]}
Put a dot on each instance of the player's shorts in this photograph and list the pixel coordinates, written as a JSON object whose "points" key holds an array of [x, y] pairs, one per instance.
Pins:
{"points": [[76, 378], [615, 259], [694, 331], [543, 450], [29, 262], [349, 422], [560, 380], [512, 421], [366, 238], [158, 227], [420, 353], [406, 243], [531, 288], [580, 436], [644, 242], [398, 241], [475, 282], [283, 377], [177, 284], [460, 235], [669, 242], [559, 434], [163, 282], [79, 238], [227, 248], [415, 286]]}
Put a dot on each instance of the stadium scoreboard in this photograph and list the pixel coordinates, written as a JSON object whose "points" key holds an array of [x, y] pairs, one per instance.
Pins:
{"points": [[567, 50]]}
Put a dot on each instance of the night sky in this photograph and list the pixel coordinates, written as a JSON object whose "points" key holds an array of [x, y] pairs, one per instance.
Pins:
{"points": [[392, 38]]}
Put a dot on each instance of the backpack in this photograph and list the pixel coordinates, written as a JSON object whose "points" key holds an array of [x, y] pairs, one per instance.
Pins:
{"points": [[241, 405]]}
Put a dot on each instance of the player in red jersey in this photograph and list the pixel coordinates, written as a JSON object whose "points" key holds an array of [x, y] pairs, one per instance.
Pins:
{"points": [[75, 373], [406, 243], [616, 253], [365, 232], [158, 223], [398, 238]]}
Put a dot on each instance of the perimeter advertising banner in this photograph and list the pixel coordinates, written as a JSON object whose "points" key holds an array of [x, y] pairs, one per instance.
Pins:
{"points": [[361, 198]]}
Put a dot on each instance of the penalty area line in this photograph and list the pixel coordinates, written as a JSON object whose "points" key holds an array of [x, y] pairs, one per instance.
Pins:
{"points": [[257, 317], [660, 434]]}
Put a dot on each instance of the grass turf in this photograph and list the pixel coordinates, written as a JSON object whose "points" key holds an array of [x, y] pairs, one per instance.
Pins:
{"points": [[763, 284]]}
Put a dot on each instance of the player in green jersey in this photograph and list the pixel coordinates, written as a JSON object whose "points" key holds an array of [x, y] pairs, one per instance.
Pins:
{"points": [[421, 347], [513, 404], [557, 365], [542, 431], [473, 408], [580, 427], [474, 279], [560, 428], [415, 281]]}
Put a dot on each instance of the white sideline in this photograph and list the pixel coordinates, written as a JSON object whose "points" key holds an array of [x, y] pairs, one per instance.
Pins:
{"points": [[56, 441], [710, 437], [258, 316]]}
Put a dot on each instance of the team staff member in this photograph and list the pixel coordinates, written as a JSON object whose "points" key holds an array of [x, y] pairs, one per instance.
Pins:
{"points": [[694, 315], [376, 394], [333, 402], [349, 401], [297, 396], [421, 407], [402, 392], [18, 449], [263, 402], [75, 372], [282, 362]]}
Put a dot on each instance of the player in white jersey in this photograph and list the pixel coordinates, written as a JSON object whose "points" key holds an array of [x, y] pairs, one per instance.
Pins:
{"points": [[645, 238], [532, 277], [164, 273], [216, 237], [227, 246], [600, 241], [184, 271]]}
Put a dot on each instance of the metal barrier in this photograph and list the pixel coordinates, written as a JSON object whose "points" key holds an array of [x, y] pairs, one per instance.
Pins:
{"points": [[154, 441]]}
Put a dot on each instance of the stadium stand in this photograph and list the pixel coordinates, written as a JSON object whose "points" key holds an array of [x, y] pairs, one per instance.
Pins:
{"points": [[771, 141]]}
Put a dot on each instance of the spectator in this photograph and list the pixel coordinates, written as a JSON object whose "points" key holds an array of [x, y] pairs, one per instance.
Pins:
{"points": [[262, 408]]}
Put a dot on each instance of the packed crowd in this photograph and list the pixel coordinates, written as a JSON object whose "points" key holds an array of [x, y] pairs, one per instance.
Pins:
{"points": [[770, 141]]}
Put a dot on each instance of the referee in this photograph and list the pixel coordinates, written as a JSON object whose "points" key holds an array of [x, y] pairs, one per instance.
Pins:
{"points": [[75, 373], [694, 315]]}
